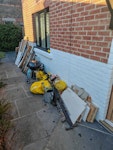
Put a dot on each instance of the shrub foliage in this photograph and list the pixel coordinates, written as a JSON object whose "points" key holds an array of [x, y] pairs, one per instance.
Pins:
{"points": [[10, 36]]}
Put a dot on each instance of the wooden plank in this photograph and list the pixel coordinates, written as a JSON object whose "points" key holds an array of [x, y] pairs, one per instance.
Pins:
{"points": [[31, 56], [73, 104], [92, 113], [25, 55], [110, 107], [107, 126]]}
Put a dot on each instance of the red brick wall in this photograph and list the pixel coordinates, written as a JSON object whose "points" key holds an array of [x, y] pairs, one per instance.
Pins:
{"points": [[78, 27]]}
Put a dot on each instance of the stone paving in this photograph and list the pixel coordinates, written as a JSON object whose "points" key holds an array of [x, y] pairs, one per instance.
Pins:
{"points": [[38, 126]]}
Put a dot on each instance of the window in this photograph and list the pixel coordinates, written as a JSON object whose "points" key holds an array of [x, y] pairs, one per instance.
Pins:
{"points": [[42, 29]]}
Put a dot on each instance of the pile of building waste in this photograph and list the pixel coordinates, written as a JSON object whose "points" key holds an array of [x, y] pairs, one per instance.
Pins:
{"points": [[75, 102]]}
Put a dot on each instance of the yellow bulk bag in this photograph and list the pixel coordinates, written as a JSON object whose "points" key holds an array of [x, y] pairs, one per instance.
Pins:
{"points": [[45, 77], [60, 85], [39, 86], [40, 75]]}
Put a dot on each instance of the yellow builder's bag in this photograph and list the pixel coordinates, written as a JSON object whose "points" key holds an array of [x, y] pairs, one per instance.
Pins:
{"points": [[40, 86], [40, 75], [60, 85]]}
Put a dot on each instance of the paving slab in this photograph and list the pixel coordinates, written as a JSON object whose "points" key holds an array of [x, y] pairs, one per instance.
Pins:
{"points": [[3, 75], [9, 57], [15, 94], [28, 130], [14, 80], [80, 138], [38, 145], [49, 117], [30, 105], [14, 111], [7, 66]]}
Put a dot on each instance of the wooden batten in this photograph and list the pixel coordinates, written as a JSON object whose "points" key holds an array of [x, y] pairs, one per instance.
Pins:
{"points": [[92, 113]]}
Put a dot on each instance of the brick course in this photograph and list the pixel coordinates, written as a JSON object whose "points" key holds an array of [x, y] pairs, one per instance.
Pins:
{"points": [[78, 27]]}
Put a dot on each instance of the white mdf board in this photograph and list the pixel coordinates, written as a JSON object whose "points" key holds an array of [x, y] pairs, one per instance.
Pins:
{"points": [[74, 104], [21, 52], [19, 56]]}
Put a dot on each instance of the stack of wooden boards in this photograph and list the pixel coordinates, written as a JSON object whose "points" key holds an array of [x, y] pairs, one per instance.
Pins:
{"points": [[78, 105], [25, 54]]}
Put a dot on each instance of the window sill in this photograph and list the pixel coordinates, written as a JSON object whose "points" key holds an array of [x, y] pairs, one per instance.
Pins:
{"points": [[43, 53]]}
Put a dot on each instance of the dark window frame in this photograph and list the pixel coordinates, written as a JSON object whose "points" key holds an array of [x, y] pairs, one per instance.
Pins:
{"points": [[38, 15], [111, 11]]}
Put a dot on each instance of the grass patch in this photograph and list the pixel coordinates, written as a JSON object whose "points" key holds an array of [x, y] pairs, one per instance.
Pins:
{"points": [[2, 55]]}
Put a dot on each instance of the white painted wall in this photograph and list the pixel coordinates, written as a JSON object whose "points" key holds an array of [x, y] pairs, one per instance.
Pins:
{"points": [[95, 77]]}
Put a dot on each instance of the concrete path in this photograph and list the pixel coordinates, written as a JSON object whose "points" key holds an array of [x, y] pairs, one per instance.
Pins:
{"points": [[39, 127]]}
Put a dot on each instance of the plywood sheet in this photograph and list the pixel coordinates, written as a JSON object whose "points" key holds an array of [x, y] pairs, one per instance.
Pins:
{"points": [[110, 108]]}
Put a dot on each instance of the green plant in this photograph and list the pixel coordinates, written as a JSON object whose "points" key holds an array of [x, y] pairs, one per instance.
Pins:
{"points": [[5, 125], [5, 122], [10, 35], [2, 55], [2, 84], [4, 108]]}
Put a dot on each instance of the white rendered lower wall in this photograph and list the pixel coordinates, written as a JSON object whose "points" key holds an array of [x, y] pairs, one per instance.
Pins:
{"points": [[95, 77]]}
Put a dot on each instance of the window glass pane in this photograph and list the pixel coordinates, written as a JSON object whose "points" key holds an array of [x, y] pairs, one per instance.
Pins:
{"points": [[37, 30], [42, 30], [47, 30]]}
